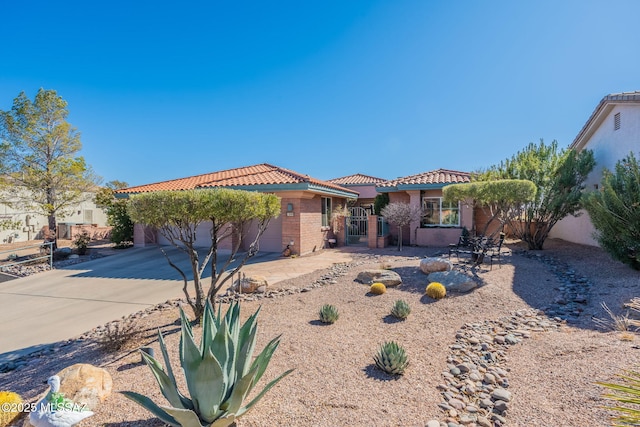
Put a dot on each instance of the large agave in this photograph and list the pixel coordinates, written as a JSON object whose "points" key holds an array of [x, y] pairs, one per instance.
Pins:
{"points": [[219, 372], [391, 358]]}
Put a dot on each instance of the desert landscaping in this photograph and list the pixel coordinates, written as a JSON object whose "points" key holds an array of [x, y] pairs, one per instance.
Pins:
{"points": [[521, 349]]}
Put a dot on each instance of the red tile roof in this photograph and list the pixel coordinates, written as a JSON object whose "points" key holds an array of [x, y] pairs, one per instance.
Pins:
{"points": [[357, 179], [440, 176], [256, 175]]}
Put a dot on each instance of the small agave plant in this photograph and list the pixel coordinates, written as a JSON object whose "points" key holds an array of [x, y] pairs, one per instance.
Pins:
{"points": [[400, 309], [328, 314], [391, 358], [219, 372]]}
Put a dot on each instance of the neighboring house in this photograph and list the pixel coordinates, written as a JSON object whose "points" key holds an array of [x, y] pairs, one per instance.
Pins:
{"points": [[441, 223], [612, 132], [306, 204], [33, 226], [365, 185]]}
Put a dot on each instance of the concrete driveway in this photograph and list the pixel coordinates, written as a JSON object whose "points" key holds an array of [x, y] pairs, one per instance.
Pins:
{"points": [[60, 304]]}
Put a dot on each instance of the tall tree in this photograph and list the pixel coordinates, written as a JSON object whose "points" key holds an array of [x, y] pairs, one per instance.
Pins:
{"points": [[559, 177], [44, 172], [177, 215], [401, 215], [615, 211]]}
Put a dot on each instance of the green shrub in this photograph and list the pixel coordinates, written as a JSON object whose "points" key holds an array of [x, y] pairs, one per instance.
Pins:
{"points": [[391, 358], [627, 394], [220, 372], [81, 241], [328, 314], [615, 209], [400, 309]]}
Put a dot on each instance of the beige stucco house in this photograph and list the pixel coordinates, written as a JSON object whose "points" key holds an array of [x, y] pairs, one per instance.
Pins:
{"points": [[441, 223], [306, 203], [612, 132]]}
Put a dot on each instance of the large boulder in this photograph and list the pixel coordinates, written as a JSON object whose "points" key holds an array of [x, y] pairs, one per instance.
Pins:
{"points": [[453, 281], [431, 265], [85, 384], [249, 285], [386, 277]]}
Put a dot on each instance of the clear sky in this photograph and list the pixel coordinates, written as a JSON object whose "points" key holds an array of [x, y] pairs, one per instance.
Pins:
{"points": [[163, 90]]}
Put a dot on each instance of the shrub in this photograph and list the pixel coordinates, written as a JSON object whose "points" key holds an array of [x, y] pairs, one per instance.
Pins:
{"points": [[81, 241], [436, 290], [378, 289], [10, 402], [328, 314], [118, 335], [400, 309], [391, 358], [220, 372], [615, 209]]}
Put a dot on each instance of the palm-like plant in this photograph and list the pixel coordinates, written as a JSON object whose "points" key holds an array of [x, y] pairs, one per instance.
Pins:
{"points": [[219, 372], [627, 393]]}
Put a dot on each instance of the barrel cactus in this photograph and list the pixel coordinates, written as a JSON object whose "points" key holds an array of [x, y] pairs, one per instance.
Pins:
{"points": [[328, 314], [378, 289], [10, 407], [400, 309], [220, 372], [436, 290], [391, 358]]}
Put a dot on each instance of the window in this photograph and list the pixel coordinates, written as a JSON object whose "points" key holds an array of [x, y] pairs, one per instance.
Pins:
{"points": [[326, 211], [616, 121], [437, 213]]}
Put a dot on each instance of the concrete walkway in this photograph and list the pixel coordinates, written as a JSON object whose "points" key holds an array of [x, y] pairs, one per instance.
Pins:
{"points": [[60, 304]]}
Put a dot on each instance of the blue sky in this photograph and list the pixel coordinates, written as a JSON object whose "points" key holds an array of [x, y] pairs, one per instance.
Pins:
{"points": [[163, 90]]}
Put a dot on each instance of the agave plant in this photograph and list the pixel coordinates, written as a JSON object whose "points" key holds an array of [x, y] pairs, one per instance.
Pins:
{"points": [[219, 372], [328, 314], [400, 309], [391, 358]]}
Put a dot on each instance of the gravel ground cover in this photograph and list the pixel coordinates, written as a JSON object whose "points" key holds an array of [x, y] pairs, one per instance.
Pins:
{"points": [[520, 350]]}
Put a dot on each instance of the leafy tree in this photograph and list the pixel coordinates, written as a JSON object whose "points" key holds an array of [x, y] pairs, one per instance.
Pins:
{"points": [[401, 214], [177, 216], [500, 200], [615, 211], [117, 215], [39, 150], [559, 177], [380, 202]]}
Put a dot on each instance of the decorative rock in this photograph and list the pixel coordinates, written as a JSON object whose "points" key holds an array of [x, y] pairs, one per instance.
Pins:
{"points": [[249, 285], [454, 281], [501, 394], [501, 406], [431, 265], [433, 423], [85, 384], [386, 277]]}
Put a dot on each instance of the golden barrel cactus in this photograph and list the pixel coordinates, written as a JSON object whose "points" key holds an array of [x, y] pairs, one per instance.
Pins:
{"points": [[378, 289], [436, 290], [10, 407]]}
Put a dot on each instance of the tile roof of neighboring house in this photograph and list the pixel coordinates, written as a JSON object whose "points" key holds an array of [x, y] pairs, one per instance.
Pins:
{"points": [[605, 106], [436, 178], [357, 179], [263, 176]]}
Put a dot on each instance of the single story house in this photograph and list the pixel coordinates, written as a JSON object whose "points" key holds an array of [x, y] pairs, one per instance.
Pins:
{"points": [[365, 185], [441, 223], [304, 223], [612, 132]]}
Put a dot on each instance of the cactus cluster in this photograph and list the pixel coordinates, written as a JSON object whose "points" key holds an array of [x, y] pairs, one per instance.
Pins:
{"points": [[328, 313], [400, 309], [8, 401], [436, 290], [391, 358], [378, 289]]}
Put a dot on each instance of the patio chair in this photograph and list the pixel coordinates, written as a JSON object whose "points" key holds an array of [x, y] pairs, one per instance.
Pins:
{"points": [[465, 245], [494, 250]]}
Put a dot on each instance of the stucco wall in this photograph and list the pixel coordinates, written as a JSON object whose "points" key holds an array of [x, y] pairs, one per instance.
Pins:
{"points": [[608, 147]]}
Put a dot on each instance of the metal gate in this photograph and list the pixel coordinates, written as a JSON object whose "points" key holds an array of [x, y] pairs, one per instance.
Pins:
{"points": [[357, 224]]}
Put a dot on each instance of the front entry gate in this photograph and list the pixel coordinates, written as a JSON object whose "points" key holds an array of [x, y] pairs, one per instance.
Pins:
{"points": [[357, 224]]}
